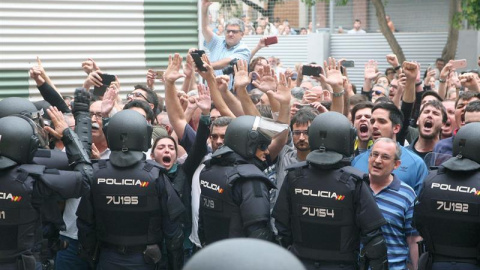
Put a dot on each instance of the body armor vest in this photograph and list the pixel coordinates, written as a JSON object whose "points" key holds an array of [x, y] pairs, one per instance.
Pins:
{"points": [[323, 212], [448, 214], [127, 206], [220, 215], [18, 217]]}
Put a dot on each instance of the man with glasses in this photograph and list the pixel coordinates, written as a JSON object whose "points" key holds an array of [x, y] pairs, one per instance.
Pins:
{"points": [[379, 90], [224, 50], [144, 93], [386, 188]]}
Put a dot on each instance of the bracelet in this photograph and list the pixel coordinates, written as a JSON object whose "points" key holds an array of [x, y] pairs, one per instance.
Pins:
{"points": [[339, 94], [397, 67], [442, 80], [418, 83]]}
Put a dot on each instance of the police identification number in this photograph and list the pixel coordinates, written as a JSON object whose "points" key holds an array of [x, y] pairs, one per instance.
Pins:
{"points": [[318, 212], [210, 203], [452, 206], [124, 200]]}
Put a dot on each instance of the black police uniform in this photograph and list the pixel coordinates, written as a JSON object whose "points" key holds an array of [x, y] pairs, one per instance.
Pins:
{"points": [[321, 213], [23, 190], [447, 216], [234, 200], [127, 212]]}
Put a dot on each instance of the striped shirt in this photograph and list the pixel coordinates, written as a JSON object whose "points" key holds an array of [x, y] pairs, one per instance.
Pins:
{"points": [[396, 202], [218, 51]]}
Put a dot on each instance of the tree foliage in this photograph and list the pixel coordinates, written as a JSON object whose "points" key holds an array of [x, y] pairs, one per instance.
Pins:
{"points": [[470, 12]]}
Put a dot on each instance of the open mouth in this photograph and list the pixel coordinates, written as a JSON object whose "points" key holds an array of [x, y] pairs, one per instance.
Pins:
{"points": [[376, 134], [166, 159], [95, 126], [363, 128], [428, 125], [462, 117]]}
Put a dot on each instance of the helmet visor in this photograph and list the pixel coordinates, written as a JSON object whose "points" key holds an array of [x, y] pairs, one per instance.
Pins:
{"points": [[268, 127]]}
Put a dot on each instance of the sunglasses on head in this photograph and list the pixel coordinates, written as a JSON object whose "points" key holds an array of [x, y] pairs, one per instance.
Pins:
{"points": [[378, 92]]}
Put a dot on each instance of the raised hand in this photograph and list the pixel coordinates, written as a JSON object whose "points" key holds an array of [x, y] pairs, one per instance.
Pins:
{"points": [[151, 76], [469, 81], [172, 74], [93, 79], [266, 81], [203, 101], [282, 94], [401, 82], [36, 74], [188, 68], [58, 121], [241, 75], [410, 69], [370, 71], [392, 60], [89, 66], [222, 82], [446, 70], [109, 98], [334, 77], [210, 73]]}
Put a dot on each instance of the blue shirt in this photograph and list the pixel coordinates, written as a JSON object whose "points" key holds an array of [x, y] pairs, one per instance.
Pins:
{"points": [[412, 171], [396, 202], [218, 51]]}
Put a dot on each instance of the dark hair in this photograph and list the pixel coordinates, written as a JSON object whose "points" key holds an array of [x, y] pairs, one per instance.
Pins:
{"points": [[431, 93], [357, 98], [302, 117], [437, 105], [265, 110], [466, 95], [137, 103], [359, 106], [395, 115], [358, 20], [151, 96], [254, 62], [383, 100], [221, 121], [440, 59], [164, 137], [473, 106], [389, 69]]}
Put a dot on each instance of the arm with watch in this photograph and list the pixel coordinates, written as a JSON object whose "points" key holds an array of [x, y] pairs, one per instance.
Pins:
{"points": [[334, 79], [442, 87]]}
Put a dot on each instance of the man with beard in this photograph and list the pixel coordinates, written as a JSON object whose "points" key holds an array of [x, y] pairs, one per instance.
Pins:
{"points": [[445, 146], [432, 118], [361, 115], [387, 121]]}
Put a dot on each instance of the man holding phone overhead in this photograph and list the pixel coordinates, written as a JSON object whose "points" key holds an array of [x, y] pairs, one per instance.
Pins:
{"points": [[224, 50]]}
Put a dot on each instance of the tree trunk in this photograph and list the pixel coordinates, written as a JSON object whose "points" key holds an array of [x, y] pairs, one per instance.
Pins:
{"points": [[450, 48], [382, 22], [258, 8], [270, 10]]}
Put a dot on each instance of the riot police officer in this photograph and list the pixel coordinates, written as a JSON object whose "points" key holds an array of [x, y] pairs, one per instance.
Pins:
{"points": [[447, 213], [234, 198], [25, 186], [132, 205], [324, 206]]}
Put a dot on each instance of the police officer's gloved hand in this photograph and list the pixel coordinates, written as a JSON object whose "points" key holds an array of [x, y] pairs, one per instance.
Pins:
{"points": [[81, 102]]}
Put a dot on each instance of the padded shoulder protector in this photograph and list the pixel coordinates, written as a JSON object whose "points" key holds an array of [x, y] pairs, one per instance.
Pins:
{"points": [[32, 169], [353, 173], [294, 166], [246, 171], [68, 184]]}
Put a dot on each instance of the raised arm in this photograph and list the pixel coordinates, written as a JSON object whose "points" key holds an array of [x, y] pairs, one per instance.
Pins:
{"points": [[233, 103], [175, 110], [240, 85], [206, 31], [260, 45], [335, 80], [369, 74], [442, 87]]}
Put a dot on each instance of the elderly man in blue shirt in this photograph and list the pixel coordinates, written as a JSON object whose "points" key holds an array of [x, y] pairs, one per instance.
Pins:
{"points": [[224, 50]]}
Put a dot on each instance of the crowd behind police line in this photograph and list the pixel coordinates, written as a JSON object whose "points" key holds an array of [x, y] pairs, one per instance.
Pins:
{"points": [[141, 185]]}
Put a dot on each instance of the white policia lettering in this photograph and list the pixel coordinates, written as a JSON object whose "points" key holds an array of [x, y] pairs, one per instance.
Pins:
{"points": [[447, 187], [318, 212], [2, 215], [6, 196], [122, 199], [211, 186], [452, 206], [122, 182], [320, 193]]}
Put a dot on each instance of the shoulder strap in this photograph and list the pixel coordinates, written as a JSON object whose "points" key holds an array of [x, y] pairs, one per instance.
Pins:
{"points": [[248, 171]]}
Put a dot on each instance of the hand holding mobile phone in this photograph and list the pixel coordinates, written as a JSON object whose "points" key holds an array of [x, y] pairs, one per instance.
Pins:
{"points": [[160, 74], [197, 58], [271, 40], [308, 70], [459, 63], [107, 79]]}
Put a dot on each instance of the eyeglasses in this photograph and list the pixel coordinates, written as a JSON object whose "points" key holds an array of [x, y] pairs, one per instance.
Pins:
{"points": [[383, 157], [263, 146], [137, 94], [216, 136], [378, 92], [232, 31], [97, 114], [300, 132]]}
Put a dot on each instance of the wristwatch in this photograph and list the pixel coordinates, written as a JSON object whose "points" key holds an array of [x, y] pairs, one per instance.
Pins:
{"points": [[442, 80], [397, 67], [339, 94]]}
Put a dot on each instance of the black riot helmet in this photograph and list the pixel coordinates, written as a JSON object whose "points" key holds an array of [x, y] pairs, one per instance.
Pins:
{"points": [[128, 136], [466, 149], [246, 133], [243, 253], [331, 138], [18, 140]]}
